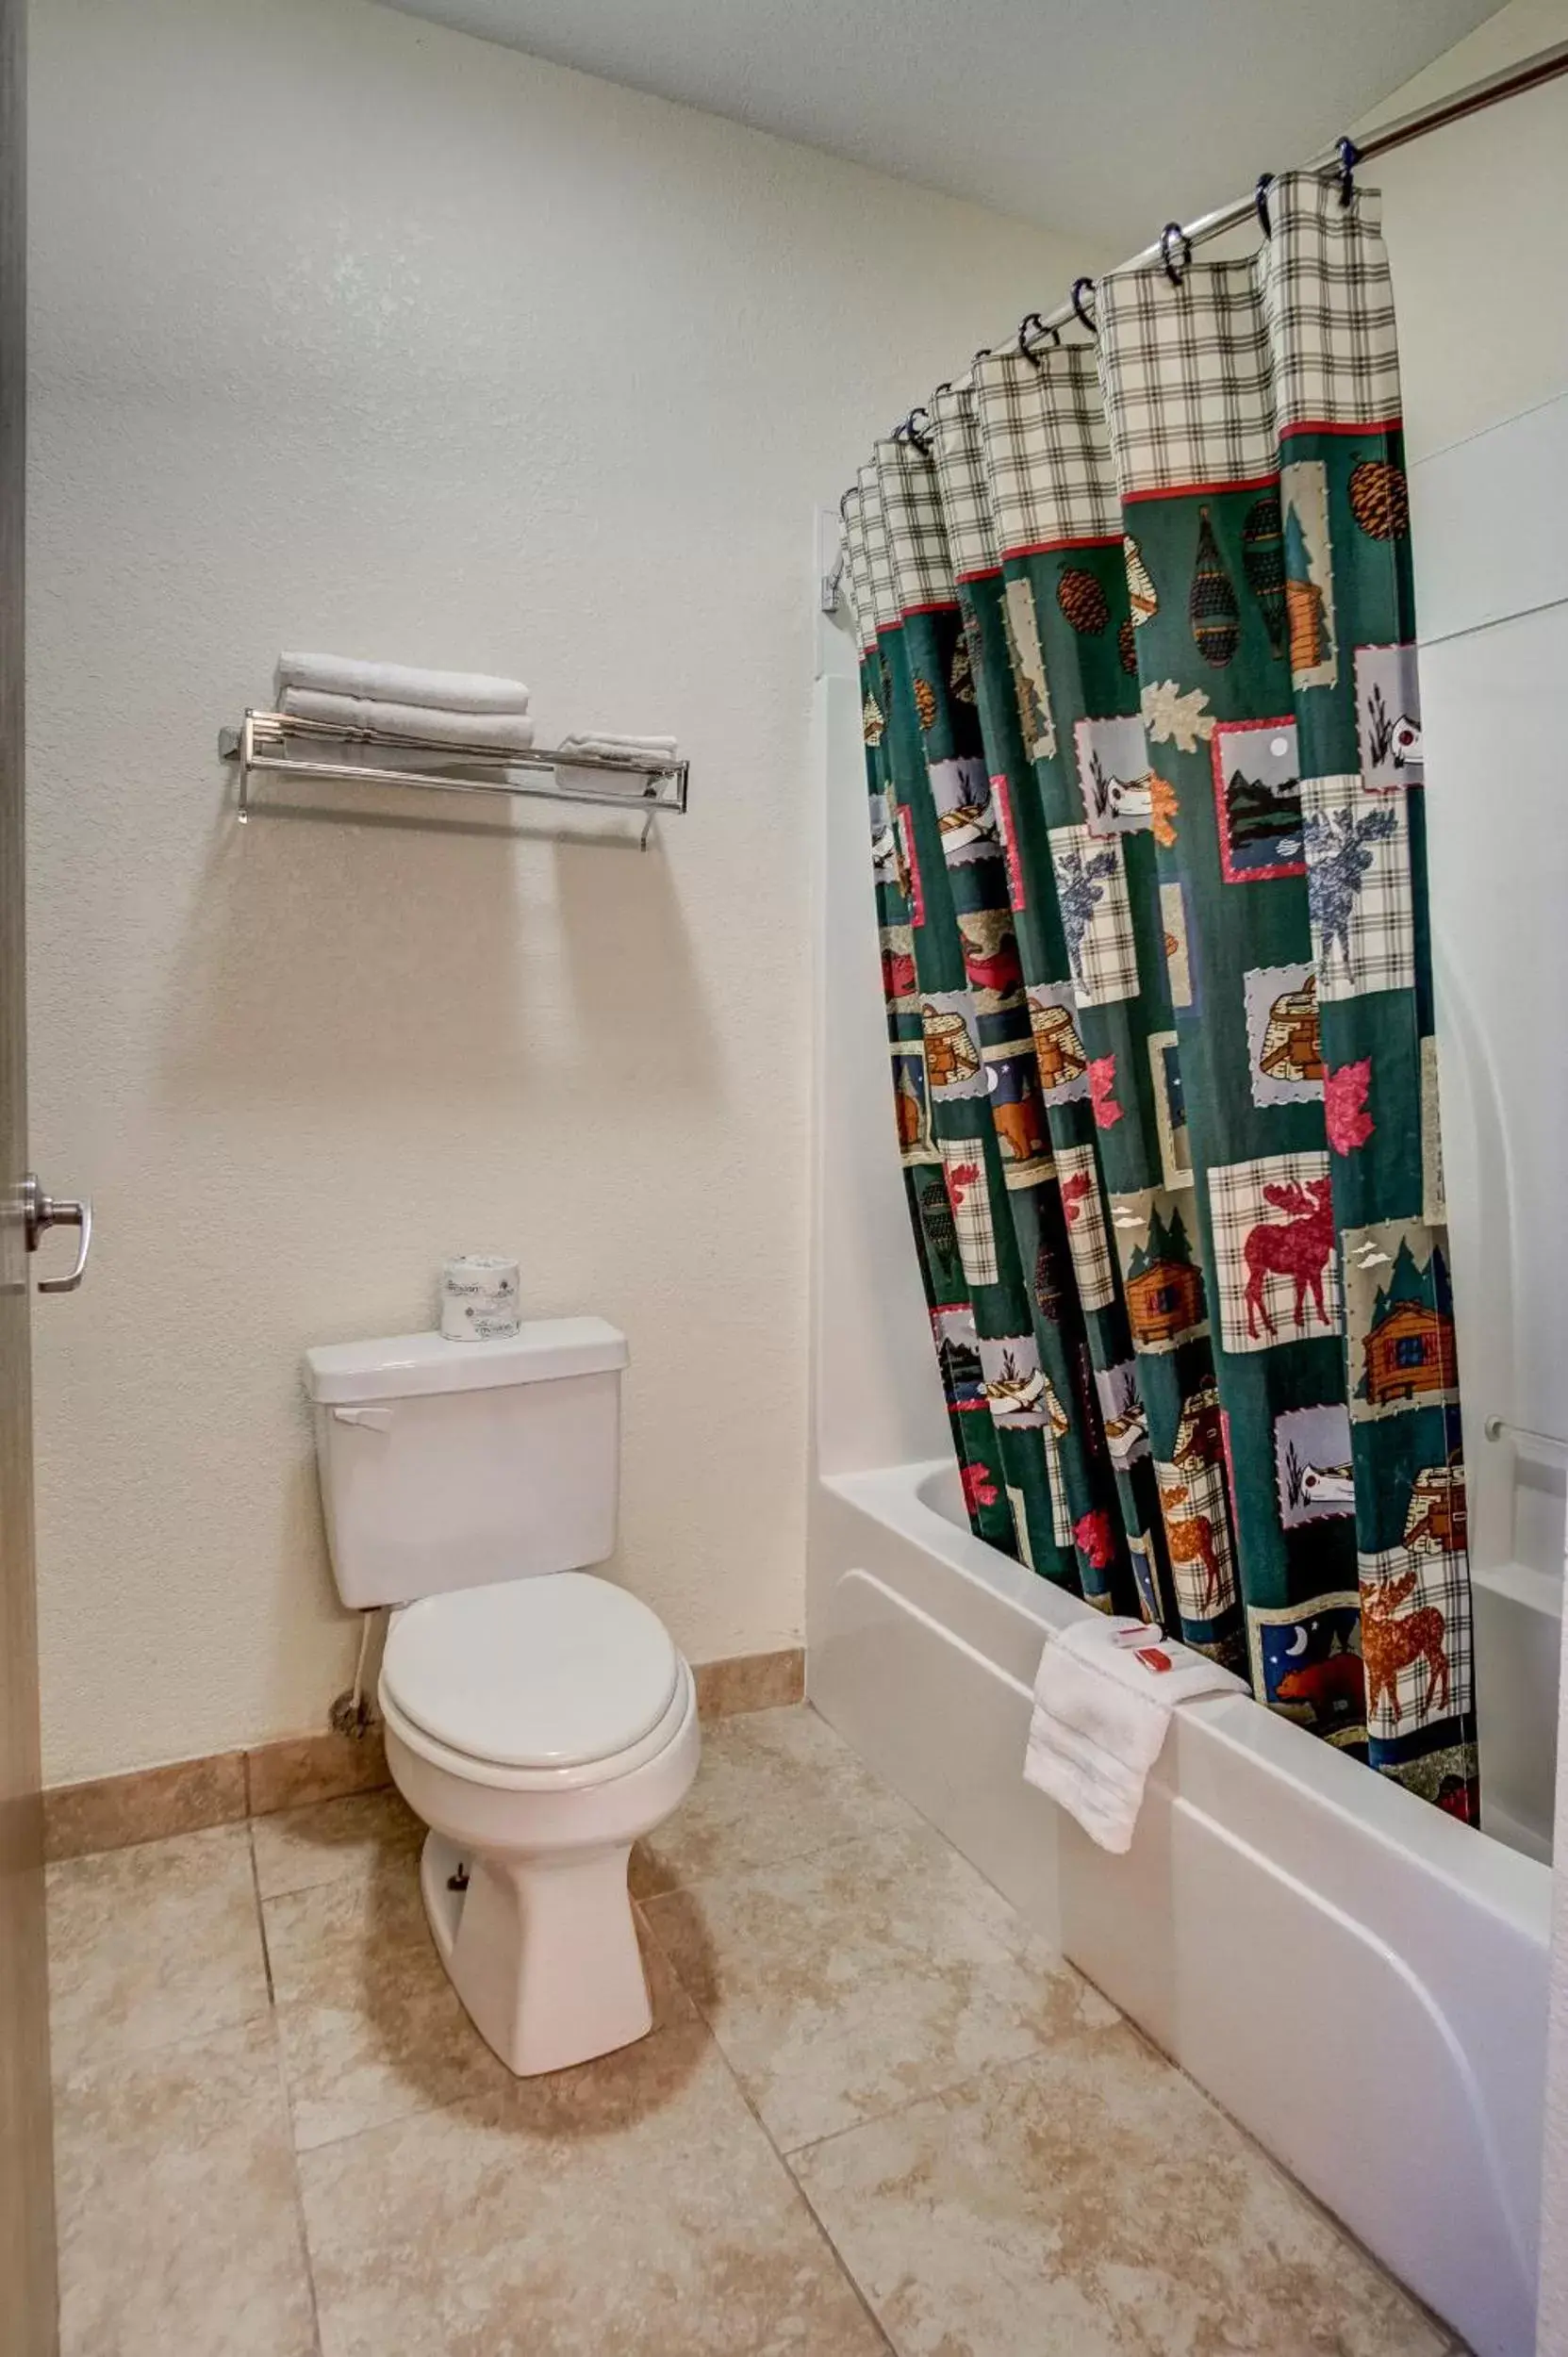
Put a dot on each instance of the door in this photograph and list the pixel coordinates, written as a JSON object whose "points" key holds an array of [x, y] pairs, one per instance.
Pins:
{"points": [[26, 2190]]}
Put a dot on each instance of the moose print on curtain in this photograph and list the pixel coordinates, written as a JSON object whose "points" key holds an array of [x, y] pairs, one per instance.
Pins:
{"points": [[1144, 749]]}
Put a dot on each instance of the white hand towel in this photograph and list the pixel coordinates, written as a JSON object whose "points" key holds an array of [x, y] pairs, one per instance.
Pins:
{"points": [[400, 683], [468, 731], [620, 747], [1104, 1697]]}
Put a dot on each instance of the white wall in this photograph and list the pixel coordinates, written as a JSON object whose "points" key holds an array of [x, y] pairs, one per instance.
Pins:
{"points": [[351, 332]]}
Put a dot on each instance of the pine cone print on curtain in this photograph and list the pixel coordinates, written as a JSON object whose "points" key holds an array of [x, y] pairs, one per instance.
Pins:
{"points": [[1102, 952], [1288, 721]]}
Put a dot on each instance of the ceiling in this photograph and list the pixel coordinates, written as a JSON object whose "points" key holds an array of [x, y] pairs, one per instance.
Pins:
{"points": [[1102, 116]]}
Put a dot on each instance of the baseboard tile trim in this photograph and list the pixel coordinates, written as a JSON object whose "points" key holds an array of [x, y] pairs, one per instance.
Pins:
{"points": [[225, 1787], [750, 1681]]}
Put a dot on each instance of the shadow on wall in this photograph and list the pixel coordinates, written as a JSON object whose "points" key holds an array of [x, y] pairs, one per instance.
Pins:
{"points": [[367, 956]]}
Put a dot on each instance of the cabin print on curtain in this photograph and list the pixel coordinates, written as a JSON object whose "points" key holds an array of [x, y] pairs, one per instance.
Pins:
{"points": [[1143, 753]]}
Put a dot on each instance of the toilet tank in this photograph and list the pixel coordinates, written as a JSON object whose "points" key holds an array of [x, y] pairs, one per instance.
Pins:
{"points": [[455, 1464]]}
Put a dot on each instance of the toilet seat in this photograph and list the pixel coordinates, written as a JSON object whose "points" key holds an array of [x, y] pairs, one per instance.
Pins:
{"points": [[533, 1684], [581, 1779]]}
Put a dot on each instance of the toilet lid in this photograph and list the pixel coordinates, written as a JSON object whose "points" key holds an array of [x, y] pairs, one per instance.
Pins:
{"points": [[547, 1672]]}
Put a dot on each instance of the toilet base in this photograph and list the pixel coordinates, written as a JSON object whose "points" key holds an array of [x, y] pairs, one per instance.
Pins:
{"points": [[543, 1951]]}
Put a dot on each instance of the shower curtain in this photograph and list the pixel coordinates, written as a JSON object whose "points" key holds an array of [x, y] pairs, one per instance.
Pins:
{"points": [[1144, 757]]}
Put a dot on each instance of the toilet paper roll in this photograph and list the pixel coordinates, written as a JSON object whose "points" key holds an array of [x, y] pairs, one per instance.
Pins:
{"points": [[479, 1298]]}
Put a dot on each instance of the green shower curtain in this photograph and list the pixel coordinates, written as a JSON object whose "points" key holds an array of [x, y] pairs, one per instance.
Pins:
{"points": [[1145, 756]]}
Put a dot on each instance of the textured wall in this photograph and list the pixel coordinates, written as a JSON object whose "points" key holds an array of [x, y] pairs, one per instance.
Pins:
{"points": [[356, 334]]}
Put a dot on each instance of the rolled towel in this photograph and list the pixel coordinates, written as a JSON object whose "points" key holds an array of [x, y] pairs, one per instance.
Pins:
{"points": [[471, 731], [400, 683], [1104, 1696], [607, 748]]}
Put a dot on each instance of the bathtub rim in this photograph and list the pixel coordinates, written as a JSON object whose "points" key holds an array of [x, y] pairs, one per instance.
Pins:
{"points": [[1485, 1869]]}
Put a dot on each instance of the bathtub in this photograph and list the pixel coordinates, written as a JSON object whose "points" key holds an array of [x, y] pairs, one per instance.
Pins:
{"points": [[1358, 1979]]}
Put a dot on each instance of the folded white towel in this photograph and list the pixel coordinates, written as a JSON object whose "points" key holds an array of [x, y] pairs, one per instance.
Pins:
{"points": [[1104, 1697], [620, 747], [400, 683], [471, 731]]}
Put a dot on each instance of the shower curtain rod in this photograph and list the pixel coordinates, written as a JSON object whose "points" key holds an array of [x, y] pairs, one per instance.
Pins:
{"points": [[1546, 65]]}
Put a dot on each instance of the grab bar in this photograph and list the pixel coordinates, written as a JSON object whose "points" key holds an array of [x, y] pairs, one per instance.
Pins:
{"points": [[1495, 1426]]}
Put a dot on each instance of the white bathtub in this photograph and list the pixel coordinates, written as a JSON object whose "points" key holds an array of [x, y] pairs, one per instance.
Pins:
{"points": [[1358, 1979]]}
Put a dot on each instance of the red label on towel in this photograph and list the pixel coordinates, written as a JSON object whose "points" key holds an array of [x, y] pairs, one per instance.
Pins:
{"points": [[1152, 1659]]}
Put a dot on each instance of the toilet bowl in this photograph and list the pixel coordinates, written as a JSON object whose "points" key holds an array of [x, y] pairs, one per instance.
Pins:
{"points": [[539, 1720], [539, 1729]]}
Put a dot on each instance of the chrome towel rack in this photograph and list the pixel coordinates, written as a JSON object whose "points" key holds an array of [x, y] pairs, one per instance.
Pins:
{"points": [[283, 744]]}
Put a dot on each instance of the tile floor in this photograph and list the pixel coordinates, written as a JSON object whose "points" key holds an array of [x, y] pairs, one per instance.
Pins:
{"points": [[876, 2112]]}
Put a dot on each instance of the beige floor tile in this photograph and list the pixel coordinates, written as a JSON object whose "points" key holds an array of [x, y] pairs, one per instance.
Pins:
{"points": [[179, 2224], [152, 1944], [773, 1784], [301, 1848], [633, 2208], [370, 2028], [847, 1982], [1091, 2202]]}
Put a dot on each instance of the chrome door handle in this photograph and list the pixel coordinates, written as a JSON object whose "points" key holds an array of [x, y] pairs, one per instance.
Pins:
{"points": [[40, 1210]]}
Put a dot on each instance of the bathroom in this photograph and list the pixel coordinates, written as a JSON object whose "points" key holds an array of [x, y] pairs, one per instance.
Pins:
{"points": [[497, 338]]}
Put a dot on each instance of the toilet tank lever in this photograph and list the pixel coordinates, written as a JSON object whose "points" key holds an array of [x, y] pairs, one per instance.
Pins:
{"points": [[379, 1419]]}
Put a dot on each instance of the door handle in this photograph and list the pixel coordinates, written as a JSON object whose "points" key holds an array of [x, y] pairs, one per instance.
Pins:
{"points": [[40, 1211]]}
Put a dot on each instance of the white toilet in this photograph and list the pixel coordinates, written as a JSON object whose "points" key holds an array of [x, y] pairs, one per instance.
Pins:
{"points": [[537, 1719]]}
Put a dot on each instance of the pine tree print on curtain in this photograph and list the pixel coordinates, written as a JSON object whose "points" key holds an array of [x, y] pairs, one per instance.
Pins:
{"points": [[981, 1061], [1086, 808], [1255, 428]]}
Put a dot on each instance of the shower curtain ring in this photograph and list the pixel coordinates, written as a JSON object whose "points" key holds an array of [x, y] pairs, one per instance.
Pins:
{"points": [[1027, 348], [914, 433], [1349, 156], [1085, 318], [1173, 231], [1260, 198]]}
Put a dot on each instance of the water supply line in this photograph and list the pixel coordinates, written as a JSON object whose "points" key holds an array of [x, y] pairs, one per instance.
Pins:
{"points": [[353, 1713]]}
